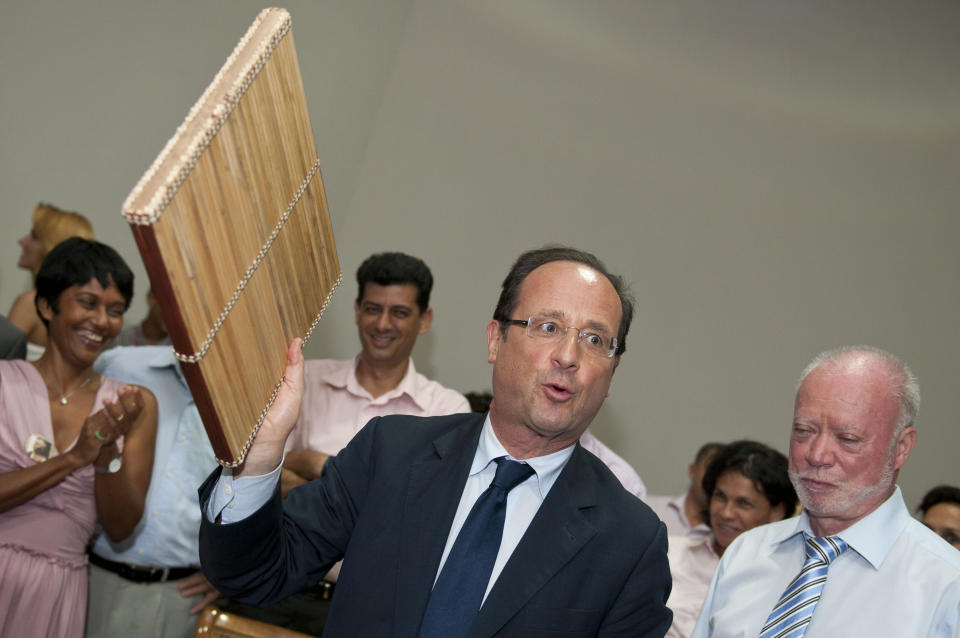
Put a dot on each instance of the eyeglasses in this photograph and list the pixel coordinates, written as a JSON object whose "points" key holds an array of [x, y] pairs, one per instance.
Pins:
{"points": [[549, 329]]}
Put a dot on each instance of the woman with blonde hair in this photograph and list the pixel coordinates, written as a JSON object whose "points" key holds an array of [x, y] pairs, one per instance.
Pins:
{"points": [[51, 226]]}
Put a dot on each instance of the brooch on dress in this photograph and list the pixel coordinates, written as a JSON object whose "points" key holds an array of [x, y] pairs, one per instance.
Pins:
{"points": [[38, 447]]}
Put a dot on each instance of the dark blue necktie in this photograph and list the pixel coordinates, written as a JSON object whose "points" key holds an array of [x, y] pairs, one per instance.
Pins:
{"points": [[456, 597]]}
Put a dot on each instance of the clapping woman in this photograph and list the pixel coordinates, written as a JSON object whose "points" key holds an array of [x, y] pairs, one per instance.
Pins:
{"points": [[75, 448]]}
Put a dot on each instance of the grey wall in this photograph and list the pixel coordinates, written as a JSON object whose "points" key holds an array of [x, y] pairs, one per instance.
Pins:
{"points": [[773, 177]]}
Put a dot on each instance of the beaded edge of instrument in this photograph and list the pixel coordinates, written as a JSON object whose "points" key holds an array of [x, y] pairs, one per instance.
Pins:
{"points": [[215, 110], [151, 212], [273, 395]]}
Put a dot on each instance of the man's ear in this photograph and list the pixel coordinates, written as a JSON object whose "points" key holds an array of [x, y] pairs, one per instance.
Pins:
{"points": [[494, 336], [904, 445], [426, 318]]}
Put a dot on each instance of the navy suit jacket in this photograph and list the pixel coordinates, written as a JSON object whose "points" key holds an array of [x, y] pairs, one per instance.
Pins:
{"points": [[593, 561]]}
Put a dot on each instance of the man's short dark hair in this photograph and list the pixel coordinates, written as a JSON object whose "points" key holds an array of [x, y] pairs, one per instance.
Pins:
{"points": [[533, 259], [76, 261], [940, 494], [763, 465], [388, 269]]}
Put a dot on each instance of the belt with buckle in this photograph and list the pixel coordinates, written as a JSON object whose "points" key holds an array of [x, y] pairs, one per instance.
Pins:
{"points": [[138, 574]]}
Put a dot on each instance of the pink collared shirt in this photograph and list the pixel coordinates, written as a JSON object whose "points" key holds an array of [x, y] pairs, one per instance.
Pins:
{"points": [[693, 562], [671, 511], [620, 468], [335, 406]]}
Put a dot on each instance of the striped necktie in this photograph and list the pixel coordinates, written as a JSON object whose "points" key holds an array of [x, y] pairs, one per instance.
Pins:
{"points": [[792, 613]]}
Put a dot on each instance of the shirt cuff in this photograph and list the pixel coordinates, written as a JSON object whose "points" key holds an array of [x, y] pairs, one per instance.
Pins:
{"points": [[234, 499]]}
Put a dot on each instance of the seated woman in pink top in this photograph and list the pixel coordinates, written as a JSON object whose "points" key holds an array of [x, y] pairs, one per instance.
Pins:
{"points": [[746, 484], [75, 448]]}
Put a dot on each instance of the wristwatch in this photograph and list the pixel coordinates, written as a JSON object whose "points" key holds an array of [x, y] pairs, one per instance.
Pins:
{"points": [[112, 467]]}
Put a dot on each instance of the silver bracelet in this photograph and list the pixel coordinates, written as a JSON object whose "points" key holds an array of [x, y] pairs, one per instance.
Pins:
{"points": [[112, 467]]}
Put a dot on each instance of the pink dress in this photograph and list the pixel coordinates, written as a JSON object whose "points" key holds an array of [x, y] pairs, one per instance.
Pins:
{"points": [[43, 576]]}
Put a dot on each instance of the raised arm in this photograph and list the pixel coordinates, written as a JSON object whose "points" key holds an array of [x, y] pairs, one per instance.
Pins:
{"points": [[266, 451], [263, 556], [300, 466]]}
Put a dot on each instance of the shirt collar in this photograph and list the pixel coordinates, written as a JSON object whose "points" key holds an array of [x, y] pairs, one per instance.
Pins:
{"points": [[698, 543], [347, 379], [873, 536], [677, 504], [700, 530], [547, 468], [164, 358], [408, 385]]}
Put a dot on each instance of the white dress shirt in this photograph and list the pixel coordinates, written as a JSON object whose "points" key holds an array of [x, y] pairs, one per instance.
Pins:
{"points": [[898, 579]]}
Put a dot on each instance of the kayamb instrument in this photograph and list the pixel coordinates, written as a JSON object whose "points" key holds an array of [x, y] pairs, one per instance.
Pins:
{"points": [[232, 223]]}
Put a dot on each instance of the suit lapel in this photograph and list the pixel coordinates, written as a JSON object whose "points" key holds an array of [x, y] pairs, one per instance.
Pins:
{"points": [[434, 486], [555, 535]]}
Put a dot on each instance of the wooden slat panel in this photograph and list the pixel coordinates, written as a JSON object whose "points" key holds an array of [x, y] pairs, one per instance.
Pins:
{"points": [[231, 190]]}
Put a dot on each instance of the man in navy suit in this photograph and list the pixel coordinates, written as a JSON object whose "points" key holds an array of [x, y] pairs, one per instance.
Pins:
{"points": [[579, 555]]}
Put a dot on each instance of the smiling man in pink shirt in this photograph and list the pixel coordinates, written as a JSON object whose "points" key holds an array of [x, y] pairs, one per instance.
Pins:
{"points": [[392, 309]]}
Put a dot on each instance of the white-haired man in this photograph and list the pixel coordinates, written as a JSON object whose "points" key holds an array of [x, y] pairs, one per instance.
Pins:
{"points": [[855, 563]]}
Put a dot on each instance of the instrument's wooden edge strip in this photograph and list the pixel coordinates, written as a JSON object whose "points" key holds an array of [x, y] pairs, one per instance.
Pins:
{"points": [[177, 328], [204, 403], [150, 212], [276, 388]]}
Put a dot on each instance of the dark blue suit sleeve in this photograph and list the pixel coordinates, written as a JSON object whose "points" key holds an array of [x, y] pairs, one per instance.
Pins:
{"points": [[288, 545], [641, 609]]}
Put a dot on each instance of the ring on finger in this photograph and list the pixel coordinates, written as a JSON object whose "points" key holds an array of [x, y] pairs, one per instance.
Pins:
{"points": [[99, 436], [118, 419]]}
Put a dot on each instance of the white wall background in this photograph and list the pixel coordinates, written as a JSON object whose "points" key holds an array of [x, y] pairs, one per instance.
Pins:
{"points": [[774, 177]]}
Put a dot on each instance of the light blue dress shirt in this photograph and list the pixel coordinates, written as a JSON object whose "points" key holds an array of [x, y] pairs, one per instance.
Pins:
{"points": [[167, 535], [233, 499], [898, 579]]}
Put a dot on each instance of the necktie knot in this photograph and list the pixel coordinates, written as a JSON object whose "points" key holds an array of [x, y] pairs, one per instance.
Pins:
{"points": [[510, 473], [824, 548]]}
